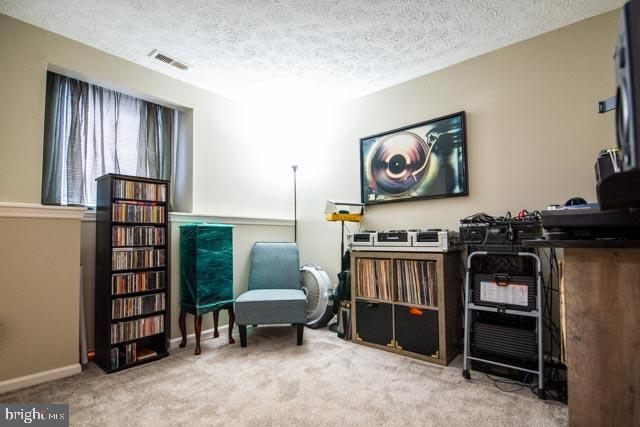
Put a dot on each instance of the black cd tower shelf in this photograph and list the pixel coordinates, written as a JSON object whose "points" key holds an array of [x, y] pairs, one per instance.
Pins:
{"points": [[132, 271]]}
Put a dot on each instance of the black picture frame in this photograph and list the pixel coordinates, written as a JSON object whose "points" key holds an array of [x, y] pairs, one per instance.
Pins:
{"points": [[462, 179]]}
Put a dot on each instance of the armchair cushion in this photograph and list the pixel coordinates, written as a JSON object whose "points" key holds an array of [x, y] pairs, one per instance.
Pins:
{"points": [[274, 265], [271, 306]]}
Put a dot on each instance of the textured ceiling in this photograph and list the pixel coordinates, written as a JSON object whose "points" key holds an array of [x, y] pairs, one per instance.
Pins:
{"points": [[326, 50]]}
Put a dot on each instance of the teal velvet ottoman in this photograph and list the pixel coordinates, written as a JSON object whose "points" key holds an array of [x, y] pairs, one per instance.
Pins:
{"points": [[206, 276]]}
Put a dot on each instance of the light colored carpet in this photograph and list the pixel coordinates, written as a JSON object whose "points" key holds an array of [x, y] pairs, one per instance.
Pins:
{"points": [[275, 382]]}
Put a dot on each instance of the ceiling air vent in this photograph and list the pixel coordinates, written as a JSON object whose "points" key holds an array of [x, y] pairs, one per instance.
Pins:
{"points": [[163, 57]]}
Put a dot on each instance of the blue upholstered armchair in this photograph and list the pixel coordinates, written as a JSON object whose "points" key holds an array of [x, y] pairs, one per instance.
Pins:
{"points": [[274, 294]]}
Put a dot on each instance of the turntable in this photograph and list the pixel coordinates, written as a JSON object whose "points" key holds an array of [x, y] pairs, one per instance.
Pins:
{"points": [[363, 238], [392, 238], [444, 240]]}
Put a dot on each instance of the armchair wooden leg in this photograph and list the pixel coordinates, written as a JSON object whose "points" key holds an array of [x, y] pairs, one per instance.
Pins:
{"points": [[232, 319], [300, 331], [243, 335], [183, 327]]}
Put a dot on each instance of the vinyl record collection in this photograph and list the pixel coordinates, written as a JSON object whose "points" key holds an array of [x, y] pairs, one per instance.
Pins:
{"points": [[375, 279], [139, 190], [138, 212], [417, 282], [130, 258], [137, 236], [136, 306], [136, 282], [133, 329]]}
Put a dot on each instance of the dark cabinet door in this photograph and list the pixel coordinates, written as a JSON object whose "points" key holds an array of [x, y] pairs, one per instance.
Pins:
{"points": [[417, 330], [374, 322]]}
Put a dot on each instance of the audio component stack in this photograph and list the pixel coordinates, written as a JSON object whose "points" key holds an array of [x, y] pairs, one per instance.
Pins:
{"points": [[428, 240]]}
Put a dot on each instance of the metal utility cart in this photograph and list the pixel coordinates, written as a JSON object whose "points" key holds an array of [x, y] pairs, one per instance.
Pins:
{"points": [[471, 306]]}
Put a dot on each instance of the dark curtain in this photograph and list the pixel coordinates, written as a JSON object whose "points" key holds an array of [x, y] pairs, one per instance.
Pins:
{"points": [[91, 131]]}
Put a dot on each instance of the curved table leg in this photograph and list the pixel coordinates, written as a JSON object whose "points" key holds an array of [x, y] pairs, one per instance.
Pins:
{"points": [[198, 328], [215, 323], [232, 319], [183, 328]]}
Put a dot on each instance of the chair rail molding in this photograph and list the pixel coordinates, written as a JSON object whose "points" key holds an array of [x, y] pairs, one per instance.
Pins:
{"points": [[185, 217], [35, 210]]}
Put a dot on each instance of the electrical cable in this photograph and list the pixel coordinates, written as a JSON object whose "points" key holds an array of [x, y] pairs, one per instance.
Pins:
{"points": [[555, 382], [526, 383], [346, 227]]}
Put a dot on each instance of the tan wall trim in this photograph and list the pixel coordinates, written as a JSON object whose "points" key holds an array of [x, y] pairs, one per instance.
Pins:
{"points": [[34, 210], [89, 216], [185, 217]]}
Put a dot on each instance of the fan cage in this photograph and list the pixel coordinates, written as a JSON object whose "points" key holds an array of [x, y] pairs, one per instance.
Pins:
{"points": [[310, 284], [316, 284]]}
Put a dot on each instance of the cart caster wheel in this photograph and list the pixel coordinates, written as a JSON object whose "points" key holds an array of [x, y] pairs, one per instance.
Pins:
{"points": [[465, 374], [542, 395]]}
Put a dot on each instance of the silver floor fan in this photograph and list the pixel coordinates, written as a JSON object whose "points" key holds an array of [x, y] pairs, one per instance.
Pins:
{"points": [[316, 285]]}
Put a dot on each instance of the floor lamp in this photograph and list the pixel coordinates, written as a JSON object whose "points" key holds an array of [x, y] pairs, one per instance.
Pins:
{"points": [[295, 204]]}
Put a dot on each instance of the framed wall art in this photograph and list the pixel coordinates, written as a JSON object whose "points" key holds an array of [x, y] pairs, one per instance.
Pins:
{"points": [[420, 161]]}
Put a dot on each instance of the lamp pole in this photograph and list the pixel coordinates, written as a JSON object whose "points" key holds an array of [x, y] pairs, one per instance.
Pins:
{"points": [[295, 204]]}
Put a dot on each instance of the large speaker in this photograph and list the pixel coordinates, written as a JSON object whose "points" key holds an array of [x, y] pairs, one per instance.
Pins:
{"points": [[621, 190], [627, 68]]}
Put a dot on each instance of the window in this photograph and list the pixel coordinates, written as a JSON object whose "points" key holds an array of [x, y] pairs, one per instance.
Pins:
{"points": [[91, 131]]}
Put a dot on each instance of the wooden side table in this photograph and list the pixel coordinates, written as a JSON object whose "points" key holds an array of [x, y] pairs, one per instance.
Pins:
{"points": [[602, 300], [197, 325]]}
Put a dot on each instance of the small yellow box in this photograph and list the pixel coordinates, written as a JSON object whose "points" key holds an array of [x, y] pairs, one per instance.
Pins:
{"points": [[344, 211], [344, 217]]}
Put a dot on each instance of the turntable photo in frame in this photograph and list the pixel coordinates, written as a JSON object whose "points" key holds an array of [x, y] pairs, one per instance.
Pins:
{"points": [[420, 161]]}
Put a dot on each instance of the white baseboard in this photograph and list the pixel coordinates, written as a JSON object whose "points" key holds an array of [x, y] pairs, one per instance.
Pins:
{"points": [[191, 338], [39, 377]]}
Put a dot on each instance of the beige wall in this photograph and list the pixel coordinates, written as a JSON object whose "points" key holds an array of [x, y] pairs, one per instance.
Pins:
{"points": [[225, 176], [225, 134], [532, 134], [39, 293]]}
